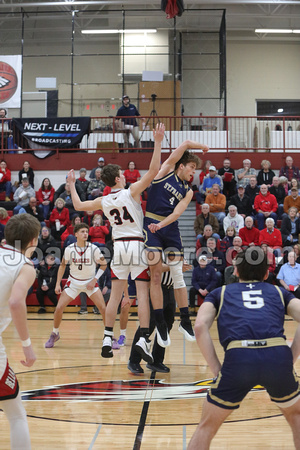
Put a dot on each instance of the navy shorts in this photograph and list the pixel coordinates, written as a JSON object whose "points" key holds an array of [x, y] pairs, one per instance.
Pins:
{"points": [[243, 369], [168, 238]]}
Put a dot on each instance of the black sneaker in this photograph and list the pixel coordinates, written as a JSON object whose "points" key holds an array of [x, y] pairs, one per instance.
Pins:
{"points": [[143, 348], [135, 368], [83, 311], [185, 327], [163, 338], [106, 351], [158, 367], [42, 310], [96, 310]]}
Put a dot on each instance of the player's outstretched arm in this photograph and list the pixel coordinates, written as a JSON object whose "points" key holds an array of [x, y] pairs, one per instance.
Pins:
{"points": [[137, 188], [79, 205], [18, 310], [175, 156], [178, 210], [204, 321]]}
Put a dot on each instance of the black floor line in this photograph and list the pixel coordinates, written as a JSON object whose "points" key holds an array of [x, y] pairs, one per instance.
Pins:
{"points": [[143, 417]]}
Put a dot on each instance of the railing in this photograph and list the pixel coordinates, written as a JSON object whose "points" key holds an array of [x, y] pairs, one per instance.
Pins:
{"points": [[221, 133]]}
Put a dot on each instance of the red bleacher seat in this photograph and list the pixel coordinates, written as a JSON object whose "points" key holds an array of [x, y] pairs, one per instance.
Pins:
{"points": [[31, 299]]}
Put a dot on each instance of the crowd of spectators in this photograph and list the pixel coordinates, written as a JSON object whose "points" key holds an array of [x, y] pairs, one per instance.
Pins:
{"points": [[242, 209], [239, 209]]}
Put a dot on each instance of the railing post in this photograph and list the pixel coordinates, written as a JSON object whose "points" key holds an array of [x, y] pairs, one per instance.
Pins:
{"points": [[227, 133], [283, 135]]}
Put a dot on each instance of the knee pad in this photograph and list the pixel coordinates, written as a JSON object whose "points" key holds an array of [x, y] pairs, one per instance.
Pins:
{"points": [[177, 274]]}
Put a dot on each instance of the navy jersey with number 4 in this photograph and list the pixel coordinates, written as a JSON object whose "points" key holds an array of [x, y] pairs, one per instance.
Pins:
{"points": [[247, 311], [165, 194]]}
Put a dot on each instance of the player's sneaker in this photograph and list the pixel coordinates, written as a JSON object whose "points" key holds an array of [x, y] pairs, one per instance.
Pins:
{"points": [[185, 327], [106, 351], [83, 311], [143, 348], [135, 368], [122, 340], [52, 339], [115, 345], [162, 334]]}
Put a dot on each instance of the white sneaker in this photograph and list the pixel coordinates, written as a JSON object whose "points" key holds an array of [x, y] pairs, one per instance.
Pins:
{"points": [[143, 348]]}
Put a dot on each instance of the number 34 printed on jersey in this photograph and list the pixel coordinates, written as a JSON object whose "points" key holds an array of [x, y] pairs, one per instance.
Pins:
{"points": [[117, 215], [253, 299]]}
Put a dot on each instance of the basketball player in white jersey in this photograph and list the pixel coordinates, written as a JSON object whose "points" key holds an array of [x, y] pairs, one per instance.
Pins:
{"points": [[17, 274], [123, 209], [83, 258]]}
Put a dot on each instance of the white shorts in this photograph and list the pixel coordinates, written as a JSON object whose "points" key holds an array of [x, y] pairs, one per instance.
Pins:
{"points": [[73, 287], [129, 258]]}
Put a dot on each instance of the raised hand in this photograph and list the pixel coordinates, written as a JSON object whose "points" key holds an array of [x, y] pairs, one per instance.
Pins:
{"points": [[159, 132]]}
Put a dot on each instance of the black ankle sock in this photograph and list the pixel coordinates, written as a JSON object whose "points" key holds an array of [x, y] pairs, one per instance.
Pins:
{"points": [[145, 333], [108, 331], [159, 315], [184, 312]]}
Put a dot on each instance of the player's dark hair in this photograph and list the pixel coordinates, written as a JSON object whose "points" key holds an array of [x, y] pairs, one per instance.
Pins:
{"points": [[252, 264], [21, 229], [109, 174], [79, 226], [189, 157]]}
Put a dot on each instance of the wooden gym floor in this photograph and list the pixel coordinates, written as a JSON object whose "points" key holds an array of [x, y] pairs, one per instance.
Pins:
{"points": [[98, 404]]}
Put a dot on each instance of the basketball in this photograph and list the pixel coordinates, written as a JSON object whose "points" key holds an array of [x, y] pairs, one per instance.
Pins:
{"points": [[8, 82]]}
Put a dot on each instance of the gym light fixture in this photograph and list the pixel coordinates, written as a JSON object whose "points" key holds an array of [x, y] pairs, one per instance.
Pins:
{"points": [[118, 31], [274, 30]]}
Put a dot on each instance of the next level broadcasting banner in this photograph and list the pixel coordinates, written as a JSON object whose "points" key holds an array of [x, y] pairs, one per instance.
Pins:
{"points": [[62, 132]]}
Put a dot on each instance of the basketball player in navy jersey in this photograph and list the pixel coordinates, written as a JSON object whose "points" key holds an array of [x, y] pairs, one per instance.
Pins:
{"points": [[168, 197], [250, 318]]}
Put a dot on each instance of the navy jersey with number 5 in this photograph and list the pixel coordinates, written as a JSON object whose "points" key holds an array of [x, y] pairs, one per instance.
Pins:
{"points": [[247, 311], [165, 194]]}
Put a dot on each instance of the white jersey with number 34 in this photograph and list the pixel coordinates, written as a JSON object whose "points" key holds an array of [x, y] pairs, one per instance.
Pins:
{"points": [[124, 214]]}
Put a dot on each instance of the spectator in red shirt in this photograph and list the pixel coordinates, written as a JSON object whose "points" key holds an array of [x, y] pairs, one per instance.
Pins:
{"points": [[68, 235], [271, 261], [265, 205], [131, 174], [249, 234], [59, 219], [4, 217], [204, 171], [271, 236], [98, 231], [45, 196], [5, 180]]}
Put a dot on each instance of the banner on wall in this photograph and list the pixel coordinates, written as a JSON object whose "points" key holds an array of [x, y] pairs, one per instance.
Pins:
{"points": [[61, 132], [10, 81]]}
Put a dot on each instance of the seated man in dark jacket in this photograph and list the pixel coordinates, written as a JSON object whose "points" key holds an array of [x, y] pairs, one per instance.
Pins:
{"points": [[290, 227], [46, 282], [215, 258], [279, 192], [242, 202], [206, 218], [204, 280]]}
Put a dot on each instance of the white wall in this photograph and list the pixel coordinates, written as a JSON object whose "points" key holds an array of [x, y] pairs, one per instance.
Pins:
{"points": [[261, 70], [256, 69]]}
